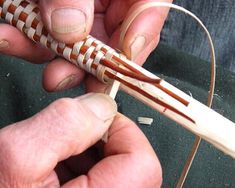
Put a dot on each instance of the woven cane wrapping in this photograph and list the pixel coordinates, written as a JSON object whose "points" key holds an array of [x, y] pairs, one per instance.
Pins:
{"points": [[87, 54]]}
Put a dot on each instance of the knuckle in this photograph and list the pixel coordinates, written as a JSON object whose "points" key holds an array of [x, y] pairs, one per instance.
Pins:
{"points": [[67, 110], [64, 105], [72, 124], [71, 116], [63, 111], [71, 109]]}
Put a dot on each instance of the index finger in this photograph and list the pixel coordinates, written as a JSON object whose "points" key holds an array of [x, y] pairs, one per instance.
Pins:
{"points": [[144, 32], [129, 160], [126, 137]]}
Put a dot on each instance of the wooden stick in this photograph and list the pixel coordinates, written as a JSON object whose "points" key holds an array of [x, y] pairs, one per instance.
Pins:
{"points": [[112, 91], [206, 123]]}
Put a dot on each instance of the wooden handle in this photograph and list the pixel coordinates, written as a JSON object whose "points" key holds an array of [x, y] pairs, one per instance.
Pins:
{"points": [[212, 127], [196, 117]]}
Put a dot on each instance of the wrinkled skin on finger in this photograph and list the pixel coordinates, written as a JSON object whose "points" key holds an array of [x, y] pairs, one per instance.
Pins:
{"points": [[51, 149]]}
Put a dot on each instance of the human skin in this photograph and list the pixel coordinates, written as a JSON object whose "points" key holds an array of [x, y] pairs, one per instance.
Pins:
{"points": [[36, 153], [102, 20], [42, 159]]}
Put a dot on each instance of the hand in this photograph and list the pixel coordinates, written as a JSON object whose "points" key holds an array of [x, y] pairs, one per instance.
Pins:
{"points": [[47, 150], [71, 21]]}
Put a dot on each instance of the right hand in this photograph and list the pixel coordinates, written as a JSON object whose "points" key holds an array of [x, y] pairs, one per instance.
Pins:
{"points": [[53, 148]]}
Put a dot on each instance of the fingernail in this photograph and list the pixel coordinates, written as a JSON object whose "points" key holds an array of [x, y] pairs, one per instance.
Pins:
{"points": [[4, 44], [137, 46], [103, 106], [68, 82], [68, 20]]}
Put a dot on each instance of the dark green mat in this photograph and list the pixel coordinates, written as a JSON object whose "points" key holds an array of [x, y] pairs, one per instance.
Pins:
{"points": [[21, 96]]}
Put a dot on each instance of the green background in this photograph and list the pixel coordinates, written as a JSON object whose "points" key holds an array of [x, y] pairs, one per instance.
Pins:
{"points": [[21, 96]]}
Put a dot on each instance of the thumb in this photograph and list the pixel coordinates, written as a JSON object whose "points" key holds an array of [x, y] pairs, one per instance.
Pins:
{"points": [[30, 150], [67, 20]]}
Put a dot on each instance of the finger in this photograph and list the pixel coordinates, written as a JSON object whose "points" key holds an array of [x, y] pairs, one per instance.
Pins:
{"points": [[92, 84], [65, 128], [98, 29], [101, 5], [130, 138], [13, 42], [126, 138], [68, 20], [60, 75], [143, 31], [140, 57], [130, 160], [79, 165], [115, 14]]}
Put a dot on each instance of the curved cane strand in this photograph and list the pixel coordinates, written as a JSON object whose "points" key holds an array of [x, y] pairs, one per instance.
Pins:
{"points": [[125, 26]]}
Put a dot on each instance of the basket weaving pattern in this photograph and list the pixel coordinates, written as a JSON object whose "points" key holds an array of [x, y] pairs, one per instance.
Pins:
{"points": [[87, 54]]}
